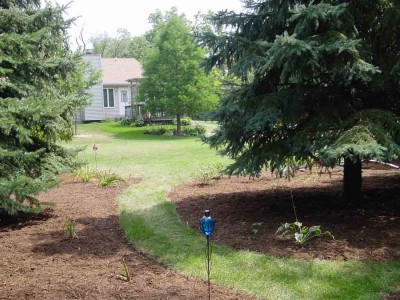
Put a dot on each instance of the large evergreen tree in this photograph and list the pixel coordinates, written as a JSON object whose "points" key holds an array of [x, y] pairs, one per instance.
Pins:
{"points": [[42, 84], [173, 81], [320, 83]]}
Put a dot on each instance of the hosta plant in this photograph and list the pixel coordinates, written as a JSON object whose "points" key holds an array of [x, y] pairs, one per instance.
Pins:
{"points": [[302, 234]]}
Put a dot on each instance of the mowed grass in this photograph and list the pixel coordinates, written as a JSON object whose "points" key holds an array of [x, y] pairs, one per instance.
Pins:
{"points": [[151, 223]]}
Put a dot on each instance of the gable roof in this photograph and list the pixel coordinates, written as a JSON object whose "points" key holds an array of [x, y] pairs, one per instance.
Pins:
{"points": [[117, 71]]}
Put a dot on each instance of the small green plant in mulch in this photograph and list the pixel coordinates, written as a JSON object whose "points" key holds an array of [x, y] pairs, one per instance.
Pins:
{"points": [[302, 234], [70, 227], [210, 172], [255, 227], [108, 178], [125, 270], [83, 174]]}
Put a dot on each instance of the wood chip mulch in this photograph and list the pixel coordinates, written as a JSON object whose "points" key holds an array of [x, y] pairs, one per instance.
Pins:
{"points": [[39, 261]]}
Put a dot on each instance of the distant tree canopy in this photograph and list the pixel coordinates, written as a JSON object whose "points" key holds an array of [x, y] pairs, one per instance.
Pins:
{"points": [[123, 45], [42, 84], [6, 4], [173, 80], [320, 83]]}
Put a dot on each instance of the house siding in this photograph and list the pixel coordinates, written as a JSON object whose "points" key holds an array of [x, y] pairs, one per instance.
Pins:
{"points": [[117, 74], [95, 111], [113, 112]]}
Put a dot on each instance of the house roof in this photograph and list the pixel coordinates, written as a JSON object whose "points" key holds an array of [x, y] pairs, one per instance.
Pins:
{"points": [[117, 71]]}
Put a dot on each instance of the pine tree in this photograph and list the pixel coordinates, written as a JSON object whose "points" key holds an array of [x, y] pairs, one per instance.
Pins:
{"points": [[42, 84], [174, 83], [320, 83]]}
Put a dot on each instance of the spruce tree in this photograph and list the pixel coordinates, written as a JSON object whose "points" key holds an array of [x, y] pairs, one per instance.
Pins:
{"points": [[42, 84], [320, 84]]}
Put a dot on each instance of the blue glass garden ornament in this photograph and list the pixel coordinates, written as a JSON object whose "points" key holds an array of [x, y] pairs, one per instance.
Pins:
{"points": [[207, 224]]}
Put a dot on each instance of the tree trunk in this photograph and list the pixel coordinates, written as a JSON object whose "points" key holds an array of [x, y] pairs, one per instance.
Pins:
{"points": [[352, 181], [178, 125]]}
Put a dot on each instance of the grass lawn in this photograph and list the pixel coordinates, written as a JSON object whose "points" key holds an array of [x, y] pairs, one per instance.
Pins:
{"points": [[151, 223]]}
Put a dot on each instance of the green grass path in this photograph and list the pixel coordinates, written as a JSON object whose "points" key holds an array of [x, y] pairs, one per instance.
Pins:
{"points": [[151, 223]]}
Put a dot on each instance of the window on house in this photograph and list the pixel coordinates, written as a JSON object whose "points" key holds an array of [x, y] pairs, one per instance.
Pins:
{"points": [[108, 96], [124, 96]]}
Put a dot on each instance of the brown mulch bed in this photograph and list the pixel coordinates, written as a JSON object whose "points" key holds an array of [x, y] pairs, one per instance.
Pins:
{"points": [[39, 261], [249, 211]]}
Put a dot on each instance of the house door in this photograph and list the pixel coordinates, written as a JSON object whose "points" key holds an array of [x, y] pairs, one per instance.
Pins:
{"points": [[123, 101]]}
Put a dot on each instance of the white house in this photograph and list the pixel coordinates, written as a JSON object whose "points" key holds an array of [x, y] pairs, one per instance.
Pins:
{"points": [[115, 91]]}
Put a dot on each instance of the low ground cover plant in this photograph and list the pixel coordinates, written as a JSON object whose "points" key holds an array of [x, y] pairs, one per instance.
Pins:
{"points": [[70, 228], [108, 178], [105, 178], [83, 174], [302, 234], [125, 270]]}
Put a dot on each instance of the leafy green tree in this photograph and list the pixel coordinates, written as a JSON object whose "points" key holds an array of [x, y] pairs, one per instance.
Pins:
{"points": [[320, 83], [42, 84], [138, 48], [173, 82], [102, 44], [123, 45]]}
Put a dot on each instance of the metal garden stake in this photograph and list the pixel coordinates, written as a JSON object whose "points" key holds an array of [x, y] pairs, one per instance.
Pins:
{"points": [[207, 224]]}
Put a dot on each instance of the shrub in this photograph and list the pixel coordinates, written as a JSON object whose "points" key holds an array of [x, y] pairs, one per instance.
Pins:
{"points": [[126, 121], [219, 169], [169, 133], [210, 172], [186, 121], [197, 130], [188, 131], [139, 122], [108, 120], [156, 131]]}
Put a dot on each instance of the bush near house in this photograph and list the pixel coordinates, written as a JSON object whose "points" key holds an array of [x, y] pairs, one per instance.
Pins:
{"points": [[197, 130]]}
